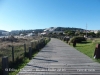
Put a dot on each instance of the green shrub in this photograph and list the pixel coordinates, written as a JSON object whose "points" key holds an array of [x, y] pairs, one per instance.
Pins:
{"points": [[78, 39]]}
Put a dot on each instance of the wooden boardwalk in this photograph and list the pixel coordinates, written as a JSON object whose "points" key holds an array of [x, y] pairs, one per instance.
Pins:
{"points": [[58, 58]]}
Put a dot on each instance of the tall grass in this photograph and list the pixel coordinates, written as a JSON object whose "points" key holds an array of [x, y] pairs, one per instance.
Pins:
{"points": [[20, 60], [6, 50]]}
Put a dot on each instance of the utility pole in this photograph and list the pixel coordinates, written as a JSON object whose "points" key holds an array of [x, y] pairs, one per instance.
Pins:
{"points": [[86, 30]]}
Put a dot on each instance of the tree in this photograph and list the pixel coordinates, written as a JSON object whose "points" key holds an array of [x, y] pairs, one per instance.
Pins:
{"points": [[98, 34], [91, 34], [61, 34], [70, 33], [54, 33], [50, 33]]}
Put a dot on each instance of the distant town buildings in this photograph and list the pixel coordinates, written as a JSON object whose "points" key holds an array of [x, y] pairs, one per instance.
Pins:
{"points": [[53, 30], [95, 31], [5, 33], [16, 32], [46, 31]]}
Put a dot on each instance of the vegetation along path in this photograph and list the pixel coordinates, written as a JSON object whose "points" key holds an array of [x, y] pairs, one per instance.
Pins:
{"points": [[58, 58]]}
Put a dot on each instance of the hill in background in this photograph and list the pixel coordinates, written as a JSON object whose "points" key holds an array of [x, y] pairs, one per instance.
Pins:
{"points": [[17, 32]]}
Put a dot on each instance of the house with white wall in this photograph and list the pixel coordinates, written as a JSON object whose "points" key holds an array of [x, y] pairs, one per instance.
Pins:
{"points": [[5, 33]]}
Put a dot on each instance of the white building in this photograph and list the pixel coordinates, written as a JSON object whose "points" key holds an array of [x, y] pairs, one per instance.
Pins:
{"points": [[31, 34], [95, 31], [21, 34], [14, 32], [5, 33]]}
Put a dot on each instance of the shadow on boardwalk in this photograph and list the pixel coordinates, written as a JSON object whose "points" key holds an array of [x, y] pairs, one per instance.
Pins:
{"points": [[45, 60]]}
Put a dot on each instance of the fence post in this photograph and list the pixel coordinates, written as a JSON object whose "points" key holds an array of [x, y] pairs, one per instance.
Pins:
{"points": [[40, 43], [5, 68], [13, 54], [30, 52], [25, 49], [31, 44], [37, 45]]}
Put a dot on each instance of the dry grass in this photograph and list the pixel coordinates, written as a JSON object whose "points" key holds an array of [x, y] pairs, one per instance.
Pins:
{"points": [[5, 50], [21, 41], [18, 52]]}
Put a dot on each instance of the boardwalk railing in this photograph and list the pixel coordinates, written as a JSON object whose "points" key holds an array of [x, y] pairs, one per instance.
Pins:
{"points": [[32, 49]]}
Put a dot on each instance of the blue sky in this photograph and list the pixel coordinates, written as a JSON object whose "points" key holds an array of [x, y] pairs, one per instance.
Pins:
{"points": [[38, 14]]}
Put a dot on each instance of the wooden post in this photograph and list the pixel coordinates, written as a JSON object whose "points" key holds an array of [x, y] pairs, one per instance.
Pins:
{"points": [[42, 42], [32, 44], [13, 54], [38, 45], [25, 49], [5, 68], [35, 44], [30, 52]]}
